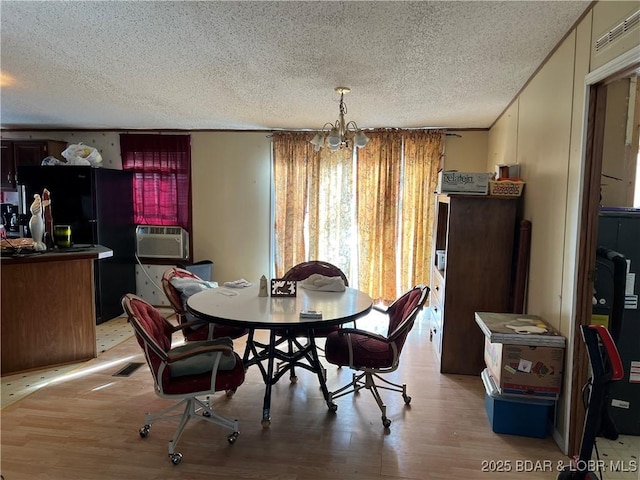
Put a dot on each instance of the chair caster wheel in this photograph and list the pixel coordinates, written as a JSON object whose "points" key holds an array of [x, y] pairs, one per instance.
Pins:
{"points": [[293, 379], [229, 393], [144, 431], [333, 408], [266, 422], [206, 413], [175, 458], [386, 422], [232, 438], [407, 399]]}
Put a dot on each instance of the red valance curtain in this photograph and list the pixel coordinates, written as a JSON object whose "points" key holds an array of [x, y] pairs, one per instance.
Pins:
{"points": [[162, 177]]}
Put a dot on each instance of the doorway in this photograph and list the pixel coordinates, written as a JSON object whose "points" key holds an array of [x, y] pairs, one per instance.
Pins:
{"points": [[610, 177]]}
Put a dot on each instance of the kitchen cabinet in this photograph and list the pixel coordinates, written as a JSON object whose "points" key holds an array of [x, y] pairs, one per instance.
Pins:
{"points": [[56, 323], [26, 152], [477, 234]]}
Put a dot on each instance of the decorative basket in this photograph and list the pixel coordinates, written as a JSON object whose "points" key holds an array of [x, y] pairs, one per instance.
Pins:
{"points": [[505, 188]]}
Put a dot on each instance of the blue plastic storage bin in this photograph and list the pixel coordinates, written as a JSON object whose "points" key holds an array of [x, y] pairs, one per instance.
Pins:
{"points": [[202, 269], [527, 417]]}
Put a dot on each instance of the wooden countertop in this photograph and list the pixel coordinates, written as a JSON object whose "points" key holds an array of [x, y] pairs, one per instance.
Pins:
{"points": [[77, 252]]}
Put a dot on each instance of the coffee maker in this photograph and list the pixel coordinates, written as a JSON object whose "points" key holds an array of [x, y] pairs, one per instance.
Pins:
{"points": [[10, 218]]}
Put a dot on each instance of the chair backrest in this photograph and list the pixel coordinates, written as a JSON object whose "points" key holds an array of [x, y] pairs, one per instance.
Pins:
{"points": [[152, 330], [403, 312], [304, 270], [173, 295]]}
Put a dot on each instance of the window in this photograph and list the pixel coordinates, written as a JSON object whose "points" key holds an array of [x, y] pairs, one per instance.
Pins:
{"points": [[162, 177], [368, 212]]}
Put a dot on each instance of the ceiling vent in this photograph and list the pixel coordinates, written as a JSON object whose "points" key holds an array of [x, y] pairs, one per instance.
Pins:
{"points": [[618, 31]]}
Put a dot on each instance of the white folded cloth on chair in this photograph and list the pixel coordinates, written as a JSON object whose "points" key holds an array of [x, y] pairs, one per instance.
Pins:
{"points": [[323, 283], [193, 284], [242, 283]]}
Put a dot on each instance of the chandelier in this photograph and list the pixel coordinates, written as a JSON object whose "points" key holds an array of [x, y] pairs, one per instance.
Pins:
{"points": [[340, 134]]}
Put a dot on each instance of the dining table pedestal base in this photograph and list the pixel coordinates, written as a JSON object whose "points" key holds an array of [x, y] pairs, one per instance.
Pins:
{"points": [[297, 355]]}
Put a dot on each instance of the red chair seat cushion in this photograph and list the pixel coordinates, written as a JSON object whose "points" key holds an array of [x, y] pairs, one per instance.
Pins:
{"points": [[202, 333], [367, 352]]}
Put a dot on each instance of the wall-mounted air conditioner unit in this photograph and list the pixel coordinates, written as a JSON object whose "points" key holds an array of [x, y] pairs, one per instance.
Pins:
{"points": [[155, 241]]}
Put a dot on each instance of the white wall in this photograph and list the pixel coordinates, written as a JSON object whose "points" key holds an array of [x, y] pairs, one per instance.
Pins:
{"points": [[231, 175], [502, 144], [542, 130], [467, 153]]}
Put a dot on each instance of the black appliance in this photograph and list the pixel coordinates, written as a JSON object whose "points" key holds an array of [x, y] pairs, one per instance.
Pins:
{"points": [[606, 371], [98, 205], [10, 218], [616, 298]]}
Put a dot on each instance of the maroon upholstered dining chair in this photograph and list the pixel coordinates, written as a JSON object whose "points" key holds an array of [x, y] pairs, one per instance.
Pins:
{"points": [[185, 372], [302, 271], [197, 329], [373, 354]]}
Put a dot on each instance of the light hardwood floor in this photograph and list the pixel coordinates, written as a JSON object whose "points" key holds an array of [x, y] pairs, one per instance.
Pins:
{"points": [[86, 427]]}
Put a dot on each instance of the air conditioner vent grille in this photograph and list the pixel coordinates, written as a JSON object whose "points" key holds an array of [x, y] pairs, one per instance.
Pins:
{"points": [[154, 241], [618, 31]]}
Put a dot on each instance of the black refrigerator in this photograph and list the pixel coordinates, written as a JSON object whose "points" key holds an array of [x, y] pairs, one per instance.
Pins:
{"points": [[98, 205], [619, 231]]}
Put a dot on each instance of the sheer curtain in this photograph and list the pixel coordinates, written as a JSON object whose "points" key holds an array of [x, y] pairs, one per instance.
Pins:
{"points": [[378, 199], [332, 209], [314, 203], [292, 156], [372, 217], [422, 152], [162, 177]]}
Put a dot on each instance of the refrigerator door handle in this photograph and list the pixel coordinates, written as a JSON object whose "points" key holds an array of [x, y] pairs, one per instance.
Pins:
{"points": [[94, 230], [21, 200]]}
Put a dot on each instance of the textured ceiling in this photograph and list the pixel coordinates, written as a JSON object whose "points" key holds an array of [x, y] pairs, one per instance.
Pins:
{"points": [[270, 65]]}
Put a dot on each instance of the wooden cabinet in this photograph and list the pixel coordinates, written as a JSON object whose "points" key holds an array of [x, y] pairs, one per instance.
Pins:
{"points": [[477, 233], [26, 152], [54, 325]]}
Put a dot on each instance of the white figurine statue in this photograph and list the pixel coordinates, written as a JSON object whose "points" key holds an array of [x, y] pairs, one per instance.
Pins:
{"points": [[36, 224]]}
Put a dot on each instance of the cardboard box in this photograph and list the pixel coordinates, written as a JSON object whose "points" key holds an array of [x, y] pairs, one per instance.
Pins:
{"points": [[526, 370], [518, 329], [464, 183], [511, 170], [528, 417]]}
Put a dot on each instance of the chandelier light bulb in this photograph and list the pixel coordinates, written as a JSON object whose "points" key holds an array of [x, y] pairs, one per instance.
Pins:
{"points": [[360, 139], [334, 138], [318, 140]]}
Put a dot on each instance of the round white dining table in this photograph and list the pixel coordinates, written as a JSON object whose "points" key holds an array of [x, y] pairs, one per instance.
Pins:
{"points": [[243, 307]]}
